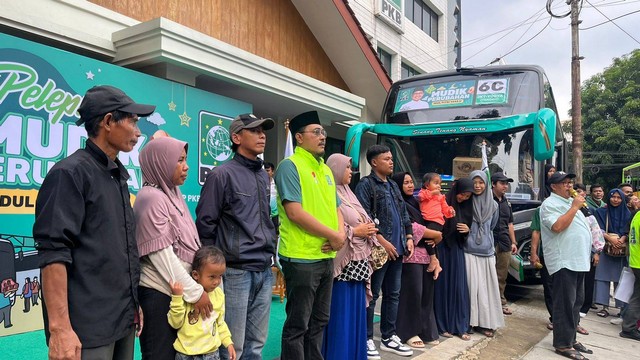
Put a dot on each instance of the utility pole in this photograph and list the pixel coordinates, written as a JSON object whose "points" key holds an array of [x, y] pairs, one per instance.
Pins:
{"points": [[576, 96]]}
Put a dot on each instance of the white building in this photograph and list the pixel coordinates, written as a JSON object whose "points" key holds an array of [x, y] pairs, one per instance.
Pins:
{"points": [[412, 36]]}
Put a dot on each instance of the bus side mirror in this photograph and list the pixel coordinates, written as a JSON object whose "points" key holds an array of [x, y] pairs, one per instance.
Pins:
{"points": [[354, 136], [544, 134]]}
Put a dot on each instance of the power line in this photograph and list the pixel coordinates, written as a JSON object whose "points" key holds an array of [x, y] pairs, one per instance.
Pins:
{"points": [[523, 44], [618, 26], [608, 21], [550, 11]]}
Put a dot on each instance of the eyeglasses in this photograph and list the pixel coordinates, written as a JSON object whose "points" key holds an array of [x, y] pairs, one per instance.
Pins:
{"points": [[317, 132]]}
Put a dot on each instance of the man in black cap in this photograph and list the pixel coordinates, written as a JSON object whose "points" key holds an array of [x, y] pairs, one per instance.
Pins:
{"points": [[233, 214], [504, 235], [311, 230], [85, 236], [566, 238]]}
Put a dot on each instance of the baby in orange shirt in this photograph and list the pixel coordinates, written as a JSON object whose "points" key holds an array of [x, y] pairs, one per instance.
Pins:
{"points": [[433, 206]]}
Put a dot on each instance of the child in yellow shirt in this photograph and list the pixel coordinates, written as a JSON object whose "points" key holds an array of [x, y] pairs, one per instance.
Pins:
{"points": [[197, 338]]}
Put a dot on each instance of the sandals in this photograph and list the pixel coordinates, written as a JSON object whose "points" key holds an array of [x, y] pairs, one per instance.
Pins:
{"points": [[506, 311], [582, 331], [550, 326], [415, 342], [486, 332], [465, 337], [578, 346], [446, 334], [571, 354], [603, 313]]}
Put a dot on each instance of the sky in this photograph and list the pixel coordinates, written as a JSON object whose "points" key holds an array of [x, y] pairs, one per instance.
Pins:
{"points": [[551, 49]]}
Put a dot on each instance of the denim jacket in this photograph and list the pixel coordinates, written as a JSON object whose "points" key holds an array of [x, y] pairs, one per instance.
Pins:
{"points": [[384, 201]]}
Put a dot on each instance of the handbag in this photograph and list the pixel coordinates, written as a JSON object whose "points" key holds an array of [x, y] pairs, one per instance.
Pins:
{"points": [[379, 255], [610, 249]]}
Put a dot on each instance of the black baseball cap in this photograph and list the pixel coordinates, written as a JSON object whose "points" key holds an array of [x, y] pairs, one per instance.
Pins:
{"points": [[250, 121], [500, 177], [100, 100], [559, 176]]}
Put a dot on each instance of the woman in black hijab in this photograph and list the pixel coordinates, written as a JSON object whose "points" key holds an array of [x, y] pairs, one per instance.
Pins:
{"points": [[451, 294], [416, 323]]}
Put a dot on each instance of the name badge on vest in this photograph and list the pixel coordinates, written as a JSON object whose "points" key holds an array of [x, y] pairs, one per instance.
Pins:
{"points": [[328, 179]]}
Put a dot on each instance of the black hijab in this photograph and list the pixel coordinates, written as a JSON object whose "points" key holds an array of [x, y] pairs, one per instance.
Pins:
{"points": [[545, 189], [413, 206], [464, 213]]}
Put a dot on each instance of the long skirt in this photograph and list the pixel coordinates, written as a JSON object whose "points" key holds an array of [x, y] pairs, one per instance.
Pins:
{"points": [[484, 294], [451, 298], [345, 336], [608, 270], [415, 310]]}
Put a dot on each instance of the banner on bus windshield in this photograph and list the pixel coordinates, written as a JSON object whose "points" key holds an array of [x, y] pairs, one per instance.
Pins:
{"points": [[453, 94]]}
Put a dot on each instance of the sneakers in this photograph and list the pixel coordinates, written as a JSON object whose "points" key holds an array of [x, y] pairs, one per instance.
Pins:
{"points": [[583, 314], [395, 345], [616, 321], [372, 352], [633, 334]]}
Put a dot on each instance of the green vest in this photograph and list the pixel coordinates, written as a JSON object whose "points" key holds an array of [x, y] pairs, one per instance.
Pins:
{"points": [[318, 199], [634, 244]]}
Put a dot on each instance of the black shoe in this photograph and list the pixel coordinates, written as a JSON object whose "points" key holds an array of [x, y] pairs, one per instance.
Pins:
{"points": [[633, 334]]}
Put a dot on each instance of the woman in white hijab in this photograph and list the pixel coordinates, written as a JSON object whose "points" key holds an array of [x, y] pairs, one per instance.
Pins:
{"points": [[484, 294]]}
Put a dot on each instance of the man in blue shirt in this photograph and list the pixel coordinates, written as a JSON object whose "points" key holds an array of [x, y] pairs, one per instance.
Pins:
{"points": [[566, 239], [384, 204]]}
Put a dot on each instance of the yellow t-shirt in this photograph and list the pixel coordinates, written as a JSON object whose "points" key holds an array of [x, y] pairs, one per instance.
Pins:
{"points": [[197, 336]]}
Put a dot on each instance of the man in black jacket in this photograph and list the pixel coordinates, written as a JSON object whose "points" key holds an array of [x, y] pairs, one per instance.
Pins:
{"points": [[233, 214], [85, 236]]}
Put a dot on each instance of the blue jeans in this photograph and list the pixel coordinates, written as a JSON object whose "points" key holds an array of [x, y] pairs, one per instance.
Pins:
{"points": [[210, 356], [388, 279], [247, 309]]}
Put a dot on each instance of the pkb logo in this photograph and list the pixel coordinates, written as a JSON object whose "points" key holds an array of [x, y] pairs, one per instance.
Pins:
{"points": [[215, 143]]}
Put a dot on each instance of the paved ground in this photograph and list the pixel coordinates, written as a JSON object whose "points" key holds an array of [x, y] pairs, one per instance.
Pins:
{"points": [[526, 337]]}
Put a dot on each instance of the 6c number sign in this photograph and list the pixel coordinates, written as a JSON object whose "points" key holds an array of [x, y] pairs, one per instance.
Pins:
{"points": [[492, 91]]}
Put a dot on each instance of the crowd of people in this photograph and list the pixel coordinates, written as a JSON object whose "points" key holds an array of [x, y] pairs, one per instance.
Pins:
{"points": [[201, 288]]}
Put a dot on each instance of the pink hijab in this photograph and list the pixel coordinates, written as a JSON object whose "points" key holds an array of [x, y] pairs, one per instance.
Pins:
{"points": [[355, 248], [163, 218]]}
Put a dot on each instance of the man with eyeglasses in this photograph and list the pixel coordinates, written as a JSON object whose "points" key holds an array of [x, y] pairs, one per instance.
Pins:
{"points": [[566, 238], [311, 231]]}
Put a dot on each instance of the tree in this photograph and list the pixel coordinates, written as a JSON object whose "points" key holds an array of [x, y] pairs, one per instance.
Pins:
{"points": [[611, 120]]}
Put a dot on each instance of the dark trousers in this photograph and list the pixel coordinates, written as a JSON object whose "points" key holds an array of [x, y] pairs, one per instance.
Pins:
{"points": [[568, 296], [631, 314], [156, 340], [27, 304], [415, 310], [386, 278], [309, 288], [589, 282], [547, 287], [121, 349]]}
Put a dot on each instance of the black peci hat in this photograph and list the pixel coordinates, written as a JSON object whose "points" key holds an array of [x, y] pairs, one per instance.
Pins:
{"points": [[302, 120]]}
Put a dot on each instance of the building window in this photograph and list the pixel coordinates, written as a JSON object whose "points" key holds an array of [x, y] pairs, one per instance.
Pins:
{"points": [[385, 57], [421, 14], [407, 71]]}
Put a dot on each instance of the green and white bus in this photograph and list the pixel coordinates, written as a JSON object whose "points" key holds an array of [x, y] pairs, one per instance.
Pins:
{"points": [[437, 122]]}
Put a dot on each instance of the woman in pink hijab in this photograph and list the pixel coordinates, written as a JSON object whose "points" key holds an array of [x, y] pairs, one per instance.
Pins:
{"points": [[167, 241], [345, 336]]}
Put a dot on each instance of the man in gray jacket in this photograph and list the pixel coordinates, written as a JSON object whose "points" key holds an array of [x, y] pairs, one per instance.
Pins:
{"points": [[233, 214]]}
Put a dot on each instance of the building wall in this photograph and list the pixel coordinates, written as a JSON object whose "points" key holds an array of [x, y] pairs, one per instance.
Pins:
{"points": [[270, 29], [413, 47]]}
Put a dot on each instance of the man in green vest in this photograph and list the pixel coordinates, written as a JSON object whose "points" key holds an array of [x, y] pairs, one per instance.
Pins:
{"points": [[311, 231], [631, 314]]}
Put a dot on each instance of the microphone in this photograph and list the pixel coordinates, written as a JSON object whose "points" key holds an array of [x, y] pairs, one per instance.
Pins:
{"points": [[574, 193]]}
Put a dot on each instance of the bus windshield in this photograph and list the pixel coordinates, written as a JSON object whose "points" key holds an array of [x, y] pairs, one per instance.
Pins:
{"points": [[455, 156], [470, 94]]}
